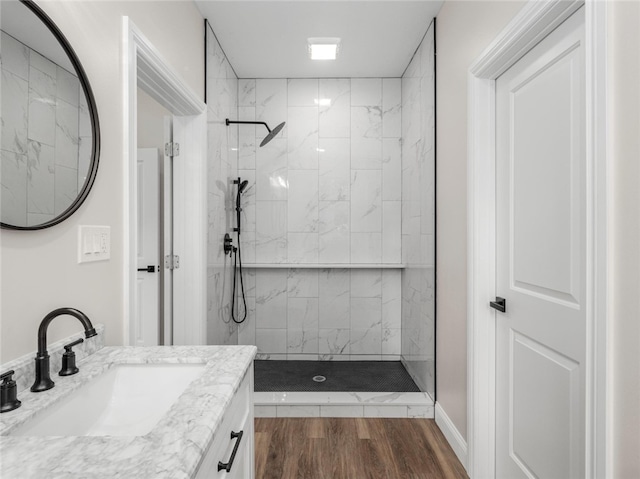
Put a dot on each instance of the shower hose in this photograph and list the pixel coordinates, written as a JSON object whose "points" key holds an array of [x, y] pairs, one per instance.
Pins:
{"points": [[237, 269]]}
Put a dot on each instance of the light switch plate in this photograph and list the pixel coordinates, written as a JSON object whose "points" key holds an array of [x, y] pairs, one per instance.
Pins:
{"points": [[94, 243]]}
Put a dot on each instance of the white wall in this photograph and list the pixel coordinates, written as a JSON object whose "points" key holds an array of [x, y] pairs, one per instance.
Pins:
{"points": [[39, 271], [464, 29], [624, 78], [151, 117]]}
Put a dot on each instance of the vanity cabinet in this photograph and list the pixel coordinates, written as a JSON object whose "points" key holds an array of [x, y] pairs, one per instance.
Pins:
{"points": [[235, 434]]}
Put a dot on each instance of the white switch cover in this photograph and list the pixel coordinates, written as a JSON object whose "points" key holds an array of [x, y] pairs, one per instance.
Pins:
{"points": [[94, 243]]}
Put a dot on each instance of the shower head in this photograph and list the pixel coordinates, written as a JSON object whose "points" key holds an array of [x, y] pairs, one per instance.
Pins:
{"points": [[269, 137], [272, 133], [242, 186]]}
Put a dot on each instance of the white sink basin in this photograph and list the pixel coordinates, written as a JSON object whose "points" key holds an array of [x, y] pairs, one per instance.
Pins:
{"points": [[127, 400]]}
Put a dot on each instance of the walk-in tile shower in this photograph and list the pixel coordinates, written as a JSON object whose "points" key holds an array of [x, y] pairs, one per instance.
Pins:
{"points": [[337, 215]]}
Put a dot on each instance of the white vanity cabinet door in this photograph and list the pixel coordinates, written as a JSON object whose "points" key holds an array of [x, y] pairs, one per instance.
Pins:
{"points": [[238, 417], [243, 462]]}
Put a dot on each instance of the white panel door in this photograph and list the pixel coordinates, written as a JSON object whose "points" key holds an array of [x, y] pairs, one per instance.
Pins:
{"points": [[189, 233], [540, 240], [147, 330]]}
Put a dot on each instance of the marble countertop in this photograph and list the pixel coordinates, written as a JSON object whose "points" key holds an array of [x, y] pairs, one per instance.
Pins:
{"points": [[173, 449]]}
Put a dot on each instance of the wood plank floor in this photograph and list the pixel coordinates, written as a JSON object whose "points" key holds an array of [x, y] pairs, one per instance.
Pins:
{"points": [[353, 448]]}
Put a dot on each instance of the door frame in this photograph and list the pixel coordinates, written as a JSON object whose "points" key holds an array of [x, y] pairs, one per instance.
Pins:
{"points": [[535, 21], [144, 67]]}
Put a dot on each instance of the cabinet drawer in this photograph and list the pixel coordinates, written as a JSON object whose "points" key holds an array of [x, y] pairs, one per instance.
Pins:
{"points": [[238, 417], [242, 461]]}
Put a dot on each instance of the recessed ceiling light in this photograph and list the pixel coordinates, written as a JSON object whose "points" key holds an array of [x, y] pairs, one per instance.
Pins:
{"points": [[322, 101], [323, 48]]}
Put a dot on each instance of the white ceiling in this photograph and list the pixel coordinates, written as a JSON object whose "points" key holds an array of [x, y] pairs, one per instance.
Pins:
{"points": [[268, 39]]}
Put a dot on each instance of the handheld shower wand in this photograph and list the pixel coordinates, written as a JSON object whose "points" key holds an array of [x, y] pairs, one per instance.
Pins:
{"points": [[237, 267], [241, 186]]}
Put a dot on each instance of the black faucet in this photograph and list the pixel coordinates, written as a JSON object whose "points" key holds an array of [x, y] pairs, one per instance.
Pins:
{"points": [[43, 375]]}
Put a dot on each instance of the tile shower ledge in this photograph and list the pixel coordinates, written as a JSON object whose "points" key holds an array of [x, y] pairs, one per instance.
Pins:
{"points": [[325, 265], [343, 404], [304, 398], [173, 449]]}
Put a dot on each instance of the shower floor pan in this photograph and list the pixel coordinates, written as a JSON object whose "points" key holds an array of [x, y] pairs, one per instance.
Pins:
{"points": [[350, 389], [347, 376]]}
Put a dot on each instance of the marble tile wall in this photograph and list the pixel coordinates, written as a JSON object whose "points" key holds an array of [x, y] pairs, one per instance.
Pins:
{"points": [[45, 124], [222, 157], [332, 187], [326, 314], [327, 189], [418, 216]]}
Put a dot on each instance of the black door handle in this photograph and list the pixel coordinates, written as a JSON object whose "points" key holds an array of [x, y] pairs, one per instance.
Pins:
{"points": [[500, 304], [148, 269]]}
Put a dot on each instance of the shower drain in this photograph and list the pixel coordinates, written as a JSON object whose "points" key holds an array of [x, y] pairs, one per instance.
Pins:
{"points": [[319, 379]]}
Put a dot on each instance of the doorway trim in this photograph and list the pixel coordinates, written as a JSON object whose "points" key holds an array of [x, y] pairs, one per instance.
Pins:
{"points": [[535, 21], [144, 67]]}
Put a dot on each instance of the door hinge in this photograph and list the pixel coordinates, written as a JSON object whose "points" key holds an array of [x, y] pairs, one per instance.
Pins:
{"points": [[172, 261], [172, 149]]}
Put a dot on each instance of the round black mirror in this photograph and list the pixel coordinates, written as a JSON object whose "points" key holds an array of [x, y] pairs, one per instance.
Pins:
{"points": [[50, 136]]}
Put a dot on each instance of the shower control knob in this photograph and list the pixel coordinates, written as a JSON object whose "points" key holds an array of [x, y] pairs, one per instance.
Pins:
{"points": [[228, 244]]}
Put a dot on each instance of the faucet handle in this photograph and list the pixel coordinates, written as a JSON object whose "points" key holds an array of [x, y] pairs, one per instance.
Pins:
{"points": [[69, 359], [67, 347], [8, 393]]}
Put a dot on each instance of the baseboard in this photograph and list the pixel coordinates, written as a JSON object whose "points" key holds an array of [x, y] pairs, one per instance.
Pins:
{"points": [[453, 436]]}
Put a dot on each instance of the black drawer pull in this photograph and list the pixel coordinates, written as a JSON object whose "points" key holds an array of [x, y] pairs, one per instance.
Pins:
{"points": [[227, 466]]}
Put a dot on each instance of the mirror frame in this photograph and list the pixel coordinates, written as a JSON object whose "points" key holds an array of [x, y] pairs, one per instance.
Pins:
{"points": [[93, 115]]}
